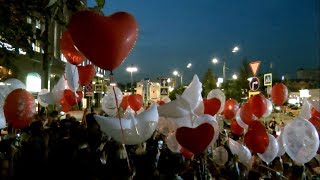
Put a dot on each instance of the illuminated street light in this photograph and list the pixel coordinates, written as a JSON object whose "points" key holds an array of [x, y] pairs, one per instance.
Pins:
{"points": [[234, 77], [132, 69], [215, 61], [235, 49], [189, 65]]}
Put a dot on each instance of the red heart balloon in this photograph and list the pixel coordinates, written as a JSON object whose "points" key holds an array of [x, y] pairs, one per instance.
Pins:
{"points": [[161, 102], [135, 101], [104, 40], [246, 113], [187, 154], [279, 94], [235, 128], [196, 139], [64, 106], [80, 96], [124, 102], [70, 97], [68, 50], [230, 108], [19, 108], [86, 74], [211, 106], [258, 105], [315, 113]]}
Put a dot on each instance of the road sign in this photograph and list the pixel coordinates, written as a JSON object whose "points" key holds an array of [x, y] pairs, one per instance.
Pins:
{"points": [[164, 82], [89, 94], [98, 88], [164, 91], [89, 87], [254, 84], [254, 67], [252, 93], [267, 79]]}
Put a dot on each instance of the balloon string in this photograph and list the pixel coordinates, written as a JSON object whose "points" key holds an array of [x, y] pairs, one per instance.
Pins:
{"points": [[118, 114], [270, 169]]}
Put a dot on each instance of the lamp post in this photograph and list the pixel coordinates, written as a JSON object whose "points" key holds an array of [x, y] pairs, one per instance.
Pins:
{"points": [[215, 61], [132, 69]]}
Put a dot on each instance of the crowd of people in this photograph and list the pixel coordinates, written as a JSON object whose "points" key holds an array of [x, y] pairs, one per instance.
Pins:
{"points": [[53, 148]]}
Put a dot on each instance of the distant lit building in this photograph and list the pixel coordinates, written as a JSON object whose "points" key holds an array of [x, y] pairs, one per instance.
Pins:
{"points": [[308, 74]]}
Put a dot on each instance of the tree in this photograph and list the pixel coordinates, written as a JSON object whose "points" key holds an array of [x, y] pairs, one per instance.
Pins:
{"points": [[208, 83], [179, 90], [18, 31]]}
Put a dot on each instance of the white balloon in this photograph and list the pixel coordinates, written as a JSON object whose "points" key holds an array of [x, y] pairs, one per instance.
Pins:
{"points": [[281, 151], [166, 99], [72, 76], [305, 112], [172, 143], [269, 108], [174, 109], [239, 120], [271, 151], [206, 118], [217, 93], [166, 126], [300, 140], [13, 84], [200, 109], [40, 100], [135, 130], [2, 119], [192, 94], [109, 104], [220, 155], [4, 91], [58, 89], [128, 112], [242, 151]]}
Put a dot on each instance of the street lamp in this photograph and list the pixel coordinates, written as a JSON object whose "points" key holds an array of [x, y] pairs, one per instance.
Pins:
{"points": [[189, 65], [234, 50], [132, 69], [215, 61], [176, 73], [234, 77]]}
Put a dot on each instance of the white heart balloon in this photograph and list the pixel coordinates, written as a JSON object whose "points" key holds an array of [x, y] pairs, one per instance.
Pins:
{"points": [[217, 93], [58, 89], [13, 84], [2, 119], [239, 120], [269, 108], [72, 76], [135, 130]]}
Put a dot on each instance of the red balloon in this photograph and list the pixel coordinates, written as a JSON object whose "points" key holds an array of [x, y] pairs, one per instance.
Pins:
{"points": [[211, 106], [64, 106], [246, 113], [230, 108], [104, 40], [197, 139], [80, 96], [279, 94], [68, 50], [315, 113], [19, 108], [124, 102], [160, 102], [258, 105], [235, 128], [316, 122], [135, 101], [257, 127], [187, 154], [86, 74], [70, 97], [257, 143]]}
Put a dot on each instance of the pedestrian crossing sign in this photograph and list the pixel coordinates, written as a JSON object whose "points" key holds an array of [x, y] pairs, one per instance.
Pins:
{"points": [[164, 91]]}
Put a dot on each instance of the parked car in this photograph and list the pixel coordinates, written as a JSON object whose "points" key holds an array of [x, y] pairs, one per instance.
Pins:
{"points": [[292, 110]]}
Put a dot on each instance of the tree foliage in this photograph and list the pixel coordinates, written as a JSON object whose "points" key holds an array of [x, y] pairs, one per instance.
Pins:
{"points": [[208, 82]]}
